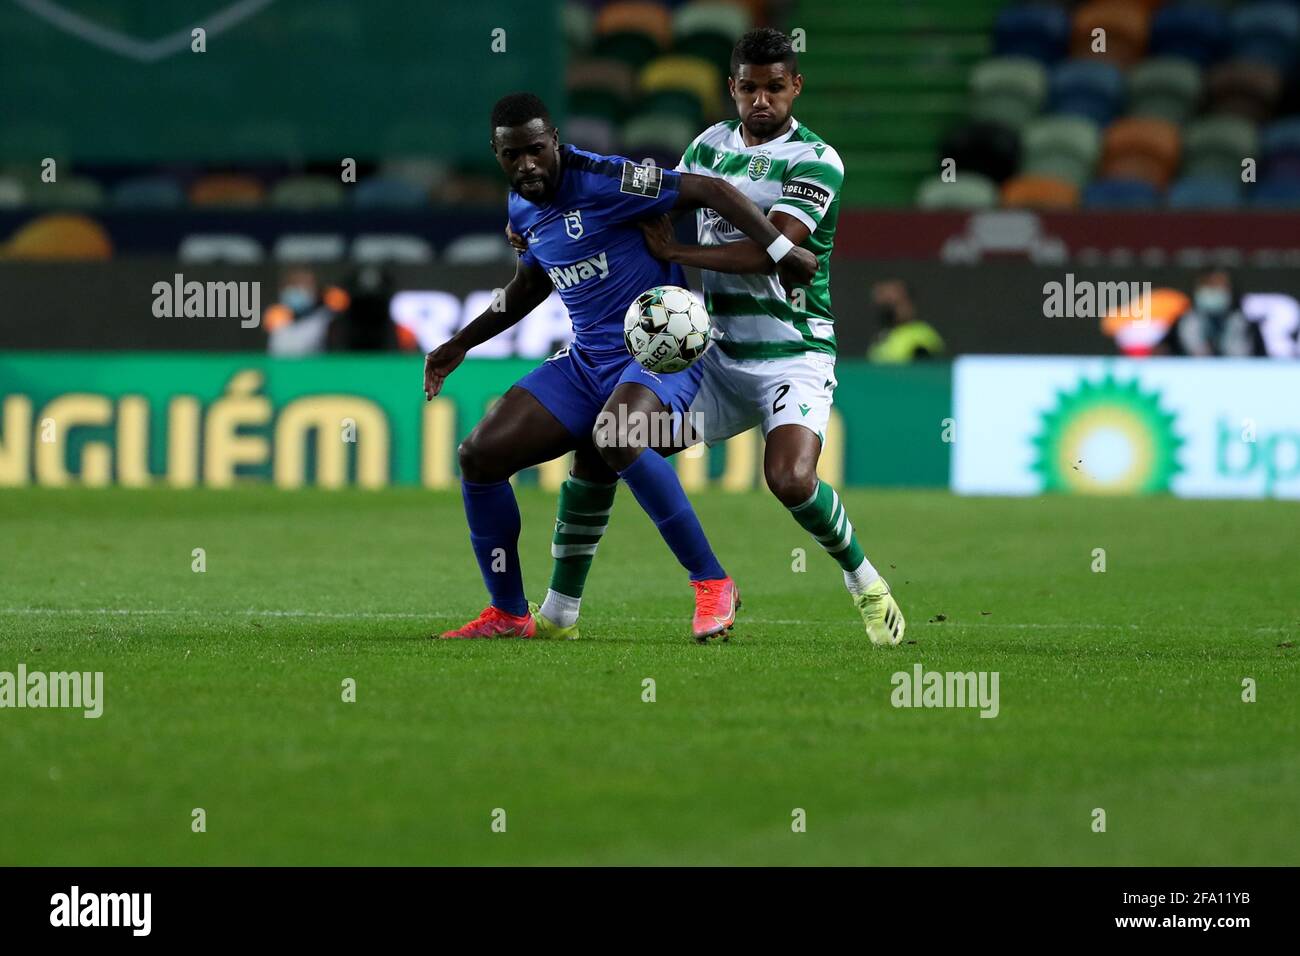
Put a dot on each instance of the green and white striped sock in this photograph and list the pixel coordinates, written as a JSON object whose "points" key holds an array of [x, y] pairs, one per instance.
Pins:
{"points": [[580, 520], [823, 516]]}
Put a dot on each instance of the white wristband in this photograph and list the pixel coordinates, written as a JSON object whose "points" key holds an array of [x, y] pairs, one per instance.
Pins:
{"points": [[779, 247]]}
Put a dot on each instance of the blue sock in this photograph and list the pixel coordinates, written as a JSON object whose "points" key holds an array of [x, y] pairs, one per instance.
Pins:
{"points": [[493, 516], [655, 486]]}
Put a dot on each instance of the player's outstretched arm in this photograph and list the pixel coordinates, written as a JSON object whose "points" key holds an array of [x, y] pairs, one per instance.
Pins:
{"points": [[794, 265], [744, 257], [525, 292]]}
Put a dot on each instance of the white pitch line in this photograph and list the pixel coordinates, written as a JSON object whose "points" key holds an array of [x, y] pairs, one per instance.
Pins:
{"points": [[421, 615]]}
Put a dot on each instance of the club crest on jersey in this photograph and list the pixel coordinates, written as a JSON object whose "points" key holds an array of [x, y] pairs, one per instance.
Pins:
{"points": [[573, 224], [759, 165]]}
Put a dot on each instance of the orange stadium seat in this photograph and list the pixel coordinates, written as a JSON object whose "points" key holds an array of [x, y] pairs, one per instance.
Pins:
{"points": [[1141, 147], [1250, 90], [227, 190], [1126, 25], [1039, 192], [59, 236]]}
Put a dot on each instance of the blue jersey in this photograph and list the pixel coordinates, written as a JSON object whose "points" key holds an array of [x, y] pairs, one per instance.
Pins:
{"points": [[587, 240]]}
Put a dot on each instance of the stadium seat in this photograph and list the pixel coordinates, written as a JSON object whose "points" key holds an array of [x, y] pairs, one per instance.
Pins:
{"points": [[709, 30], [1037, 31], [1279, 149], [383, 247], [1193, 31], [1126, 25], [1120, 194], [1216, 146], [12, 192], [1089, 88], [989, 149], [221, 247], [381, 191], [579, 28], [969, 190], [686, 85], [59, 236], [633, 31], [148, 192], [1141, 148], [1065, 147], [227, 190], [601, 88], [68, 192], [1007, 90], [1267, 32], [1251, 90], [481, 248], [1274, 194], [418, 170], [1166, 87], [1204, 192], [593, 133], [307, 192], [1039, 192], [309, 247], [656, 132]]}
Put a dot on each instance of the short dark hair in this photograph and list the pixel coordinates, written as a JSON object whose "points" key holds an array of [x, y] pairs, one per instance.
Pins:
{"points": [[762, 46], [516, 109]]}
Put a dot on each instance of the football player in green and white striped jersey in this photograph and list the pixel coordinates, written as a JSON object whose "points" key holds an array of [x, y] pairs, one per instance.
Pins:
{"points": [[773, 361]]}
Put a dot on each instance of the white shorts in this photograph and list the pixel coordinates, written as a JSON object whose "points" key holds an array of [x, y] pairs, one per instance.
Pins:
{"points": [[735, 394]]}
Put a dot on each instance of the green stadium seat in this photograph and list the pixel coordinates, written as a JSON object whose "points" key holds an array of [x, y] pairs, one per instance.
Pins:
{"points": [[600, 88], [632, 31], [709, 30], [1165, 87], [1008, 90], [658, 133], [1065, 147], [1216, 145], [12, 193], [67, 192], [579, 27], [307, 192], [967, 191]]}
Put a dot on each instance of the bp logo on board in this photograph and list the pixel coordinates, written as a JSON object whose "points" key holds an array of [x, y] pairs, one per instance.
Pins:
{"points": [[1107, 437]]}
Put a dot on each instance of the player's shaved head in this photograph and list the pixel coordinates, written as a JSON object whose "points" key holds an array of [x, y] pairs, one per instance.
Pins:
{"points": [[527, 145]]}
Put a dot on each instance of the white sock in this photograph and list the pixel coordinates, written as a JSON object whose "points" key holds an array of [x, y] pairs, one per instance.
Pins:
{"points": [[859, 579], [561, 609]]}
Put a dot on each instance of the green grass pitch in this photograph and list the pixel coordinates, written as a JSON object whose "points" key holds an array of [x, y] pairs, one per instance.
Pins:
{"points": [[1119, 690]]}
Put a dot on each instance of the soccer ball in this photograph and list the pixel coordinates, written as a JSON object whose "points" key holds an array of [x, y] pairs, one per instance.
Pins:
{"points": [[666, 329]]}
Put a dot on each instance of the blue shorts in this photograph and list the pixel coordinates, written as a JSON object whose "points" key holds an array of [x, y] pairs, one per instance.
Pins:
{"points": [[573, 385]]}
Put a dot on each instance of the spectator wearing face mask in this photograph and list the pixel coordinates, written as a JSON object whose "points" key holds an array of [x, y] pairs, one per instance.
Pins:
{"points": [[299, 322], [903, 337], [1215, 323]]}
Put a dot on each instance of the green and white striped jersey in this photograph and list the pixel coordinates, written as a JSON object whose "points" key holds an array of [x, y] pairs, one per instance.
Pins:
{"points": [[797, 174]]}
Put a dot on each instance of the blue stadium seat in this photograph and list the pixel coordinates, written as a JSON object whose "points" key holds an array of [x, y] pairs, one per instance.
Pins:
{"points": [[389, 192], [1089, 88], [1279, 149], [148, 192], [1275, 194], [1204, 192], [1036, 31], [1120, 194], [1196, 32], [1266, 32]]}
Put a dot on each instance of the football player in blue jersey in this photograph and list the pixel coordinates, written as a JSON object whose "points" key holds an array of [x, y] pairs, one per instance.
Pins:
{"points": [[579, 211]]}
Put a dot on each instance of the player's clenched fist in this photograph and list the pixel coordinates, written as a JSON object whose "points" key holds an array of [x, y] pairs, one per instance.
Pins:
{"points": [[438, 364], [797, 267]]}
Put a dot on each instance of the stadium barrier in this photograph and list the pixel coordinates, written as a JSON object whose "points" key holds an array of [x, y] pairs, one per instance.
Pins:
{"points": [[189, 420]]}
